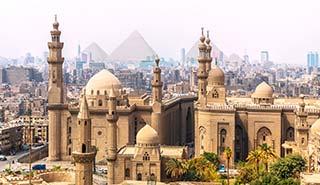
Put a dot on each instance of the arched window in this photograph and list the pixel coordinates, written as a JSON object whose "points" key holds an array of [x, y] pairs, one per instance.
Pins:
{"points": [[85, 123], [202, 132], [83, 148], [302, 140], [215, 94], [139, 176], [69, 130], [290, 134], [127, 172], [223, 136], [69, 151], [98, 92], [264, 135], [100, 102], [146, 156], [91, 92], [92, 103]]}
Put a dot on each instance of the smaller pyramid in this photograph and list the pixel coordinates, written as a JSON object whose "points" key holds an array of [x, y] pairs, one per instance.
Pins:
{"points": [[97, 53], [134, 48]]}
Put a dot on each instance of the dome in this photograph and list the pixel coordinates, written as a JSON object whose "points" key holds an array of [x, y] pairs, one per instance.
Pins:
{"points": [[147, 135], [315, 128], [102, 82], [216, 76], [263, 90]]}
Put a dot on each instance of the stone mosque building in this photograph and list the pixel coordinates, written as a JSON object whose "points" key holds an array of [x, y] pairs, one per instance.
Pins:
{"points": [[135, 136]]}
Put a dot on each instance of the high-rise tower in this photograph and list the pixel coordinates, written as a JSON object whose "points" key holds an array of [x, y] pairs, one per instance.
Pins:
{"points": [[209, 58], [84, 154], [55, 92], [112, 118], [202, 72]]}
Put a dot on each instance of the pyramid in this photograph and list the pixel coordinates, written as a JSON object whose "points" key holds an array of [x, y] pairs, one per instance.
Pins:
{"points": [[98, 54], [193, 52], [134, 48]]}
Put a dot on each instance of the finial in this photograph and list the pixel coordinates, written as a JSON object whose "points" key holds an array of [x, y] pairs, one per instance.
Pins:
{"points": [[207, 33], [55, 24], [55, 18], [202, 38], [157, 60]]}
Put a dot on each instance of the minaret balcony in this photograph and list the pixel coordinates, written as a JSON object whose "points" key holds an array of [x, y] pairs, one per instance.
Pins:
{"points": [[157, 84], [202, 59], [55, 45], [303, 128]]}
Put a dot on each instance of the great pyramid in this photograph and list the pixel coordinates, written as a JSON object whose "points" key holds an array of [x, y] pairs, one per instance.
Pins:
{"points": [[97, 53], [134, 48]]}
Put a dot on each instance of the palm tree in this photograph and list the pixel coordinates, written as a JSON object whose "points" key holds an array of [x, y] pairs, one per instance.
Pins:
{"points": [[174, 168], [228, 153], [254, 158], [267, 153]]}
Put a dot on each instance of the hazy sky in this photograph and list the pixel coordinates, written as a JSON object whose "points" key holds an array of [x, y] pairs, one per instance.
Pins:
{"points": [[288, 29]]}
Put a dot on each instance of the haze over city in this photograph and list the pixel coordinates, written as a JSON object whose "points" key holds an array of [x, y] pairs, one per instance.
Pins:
{"points": [[287, 29]]}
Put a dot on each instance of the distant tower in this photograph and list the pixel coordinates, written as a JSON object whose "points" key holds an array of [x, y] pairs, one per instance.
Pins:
{"points": [[84, 154], [79, 52], [209, 58], [55, 92], [157, 100], [301, 126], [112, 118], [202, 73], [157, 83]]}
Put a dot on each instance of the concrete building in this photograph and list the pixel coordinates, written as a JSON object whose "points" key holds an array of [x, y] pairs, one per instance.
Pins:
{"points": [[11, 138]]}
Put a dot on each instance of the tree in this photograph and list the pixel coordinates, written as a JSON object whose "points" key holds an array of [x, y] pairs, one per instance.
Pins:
{"points": [[287, 167], [254, 158], [213, 158], [174, 168], [228, 154], [267, 154], [246, 173]]}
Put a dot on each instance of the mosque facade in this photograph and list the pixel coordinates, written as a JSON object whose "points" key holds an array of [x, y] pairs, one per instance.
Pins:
{"points": [[135, 136]]}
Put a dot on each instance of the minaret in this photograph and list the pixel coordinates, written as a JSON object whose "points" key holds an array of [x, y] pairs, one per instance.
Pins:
{"points": [[202, 72], [157, 83], [209, 58], [301, 125], [55, 92], [84, 154], [157, 101], [112, 118]]}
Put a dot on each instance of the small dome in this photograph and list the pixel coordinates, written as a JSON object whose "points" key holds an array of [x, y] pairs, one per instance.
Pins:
{"points": [[147, 135], [315, 128], [263, 90], [102, 83], [216, 76]]}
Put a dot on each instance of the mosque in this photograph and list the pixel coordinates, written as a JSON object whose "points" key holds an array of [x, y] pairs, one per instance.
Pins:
{"points": [[136, 135]]}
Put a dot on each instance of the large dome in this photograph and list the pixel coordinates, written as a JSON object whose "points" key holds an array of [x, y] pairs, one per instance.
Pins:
{"points": [[147, 135], [263, 90], [216, 76], [315, 128], [102, 82]]}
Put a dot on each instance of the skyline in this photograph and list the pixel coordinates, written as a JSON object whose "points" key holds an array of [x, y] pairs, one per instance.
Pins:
{"points": [[286, 29]]}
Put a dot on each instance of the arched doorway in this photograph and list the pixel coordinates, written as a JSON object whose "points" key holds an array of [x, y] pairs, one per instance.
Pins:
{"points": [[222, 141], [264, 136], [139, 176], [239, 143]]}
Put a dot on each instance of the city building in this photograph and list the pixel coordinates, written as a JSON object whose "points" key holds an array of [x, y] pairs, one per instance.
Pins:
{"points": [[312, 61], [11, 138]]}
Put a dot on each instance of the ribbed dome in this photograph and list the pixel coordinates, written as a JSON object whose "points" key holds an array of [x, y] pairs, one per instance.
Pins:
{"points": [[315, 128], [102, 82], [263, 90], [147, 135], [216, 76]]}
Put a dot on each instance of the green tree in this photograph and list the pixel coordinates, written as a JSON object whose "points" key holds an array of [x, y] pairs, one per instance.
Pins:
{"points": [[254, 158], [267, 154], [247, 173], [287, 167], [228, 154], [213, 158], [174, 168]]}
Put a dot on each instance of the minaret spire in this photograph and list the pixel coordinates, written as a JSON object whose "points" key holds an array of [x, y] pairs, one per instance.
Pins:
{"points": [[202, 72], [55, 94], [209, 58], [112, 118], [83, 154]]}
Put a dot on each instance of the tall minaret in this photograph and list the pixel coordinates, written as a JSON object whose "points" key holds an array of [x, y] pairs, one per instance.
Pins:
{"points": [[112, 118], [84, 154], [202, 72], [209, 58], [55, 92], [157, 101], [157, 83]]}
